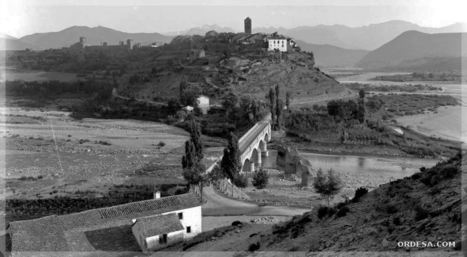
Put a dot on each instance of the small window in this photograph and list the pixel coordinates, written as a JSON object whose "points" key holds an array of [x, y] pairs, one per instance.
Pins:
{"points": [[188, 229], [163, 239], [180, 215]]}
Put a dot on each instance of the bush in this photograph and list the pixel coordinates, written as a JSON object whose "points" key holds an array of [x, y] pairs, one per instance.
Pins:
{"points": [[253, 247], [420, 213], [325, 211], [327, 185], [342, 211], [361, 191], [260, 179], [237, 223], [103, 142], [240, 181], [161, 144]]}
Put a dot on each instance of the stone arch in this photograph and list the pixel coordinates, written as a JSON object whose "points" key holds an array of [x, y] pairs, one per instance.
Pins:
{"points": [[262, 145], [256, 157], [247, 165], [266, 137]]}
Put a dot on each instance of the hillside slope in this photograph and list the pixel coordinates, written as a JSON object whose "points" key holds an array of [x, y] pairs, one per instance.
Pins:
{"points": [[247, 70], [94, 36], [425, 207], [413, 48], [9, 43]]}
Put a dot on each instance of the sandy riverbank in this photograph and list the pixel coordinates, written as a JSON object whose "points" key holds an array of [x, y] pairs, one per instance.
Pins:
{"points": [[447, 122]]}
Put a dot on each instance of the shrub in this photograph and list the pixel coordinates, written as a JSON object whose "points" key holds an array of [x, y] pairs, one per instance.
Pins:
{"points": [[361, 191], [253, 247], [342, 211], [420, 213], [325, 211], [260, 179], [396, 221], [240, 181], [327, 185], [103, 142], [237, 223], [161, 144]]}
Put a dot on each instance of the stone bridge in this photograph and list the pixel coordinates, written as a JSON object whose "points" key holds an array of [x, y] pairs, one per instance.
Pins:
{"points": [[253, 145]]}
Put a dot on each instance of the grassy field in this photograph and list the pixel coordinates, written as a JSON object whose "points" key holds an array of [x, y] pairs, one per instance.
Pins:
{"points": [[39, 75], [48, 154]]}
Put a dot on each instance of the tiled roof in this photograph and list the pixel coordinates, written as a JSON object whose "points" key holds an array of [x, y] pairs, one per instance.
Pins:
{"points": [[48, 233], [104, 216], [158, 225], [45, 234]]}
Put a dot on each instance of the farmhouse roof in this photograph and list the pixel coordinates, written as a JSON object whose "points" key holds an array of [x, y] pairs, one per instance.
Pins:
{"points": [[49, 233], [158, 225], [44, 234]]}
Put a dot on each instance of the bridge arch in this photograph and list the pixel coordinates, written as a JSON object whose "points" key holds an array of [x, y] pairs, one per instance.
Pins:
{"points": [[253, 145], [248, 166]]}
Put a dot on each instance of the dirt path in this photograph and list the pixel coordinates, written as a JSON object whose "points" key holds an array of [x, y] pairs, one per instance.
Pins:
{"points": [[218, 205]]}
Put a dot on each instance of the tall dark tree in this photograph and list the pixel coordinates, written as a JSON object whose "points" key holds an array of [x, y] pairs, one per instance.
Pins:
{"points": [[229, 102], [181, 89], [191, 162], [279, 107], [272, 103], [361, 106], [195, 136], [230, 163], [288, 99]]}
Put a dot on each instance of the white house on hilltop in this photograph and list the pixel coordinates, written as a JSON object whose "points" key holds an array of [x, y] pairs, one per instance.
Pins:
{"points": [[280, 44]]}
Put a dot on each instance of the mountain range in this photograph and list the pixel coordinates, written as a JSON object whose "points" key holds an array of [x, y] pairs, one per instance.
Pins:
{"points": [[412, 50], [365, 37], [94, 36]]}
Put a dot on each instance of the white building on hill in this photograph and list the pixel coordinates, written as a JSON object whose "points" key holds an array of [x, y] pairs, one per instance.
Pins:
{"points": [[280, 44], [203, 103]]}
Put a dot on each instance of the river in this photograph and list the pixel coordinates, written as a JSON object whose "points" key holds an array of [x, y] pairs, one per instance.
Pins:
{"points": [[446, 123], [370, 172], [366, 171]]}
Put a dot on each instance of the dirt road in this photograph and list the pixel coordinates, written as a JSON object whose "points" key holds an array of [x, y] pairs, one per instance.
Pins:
{"points": [[218, 205]]}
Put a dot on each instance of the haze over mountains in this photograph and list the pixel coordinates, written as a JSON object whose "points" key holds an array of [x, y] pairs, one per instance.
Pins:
{"points": [[332, 45]]}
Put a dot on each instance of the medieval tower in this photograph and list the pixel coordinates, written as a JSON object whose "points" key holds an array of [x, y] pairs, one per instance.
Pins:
{"points": [[247, 23]]}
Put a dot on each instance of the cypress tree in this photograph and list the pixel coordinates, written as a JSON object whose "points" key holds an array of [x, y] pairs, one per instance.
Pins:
{"points": [[191, 161], [272, 105], [230, 162]]}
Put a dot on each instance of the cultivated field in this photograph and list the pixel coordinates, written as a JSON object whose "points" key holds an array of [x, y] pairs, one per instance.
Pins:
{"points": [[49, 154]]}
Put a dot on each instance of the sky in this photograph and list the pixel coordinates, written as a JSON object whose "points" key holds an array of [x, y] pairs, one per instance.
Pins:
{"points": [[23, 17]]}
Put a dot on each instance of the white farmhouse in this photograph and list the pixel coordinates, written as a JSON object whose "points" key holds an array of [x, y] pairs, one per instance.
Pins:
{"points": [[280, 44], [144, 225]]}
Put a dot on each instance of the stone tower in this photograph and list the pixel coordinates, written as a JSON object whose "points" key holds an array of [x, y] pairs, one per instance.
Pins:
{"points": [[247, 23]]}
